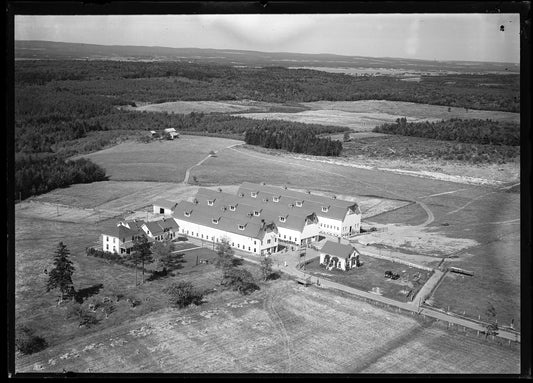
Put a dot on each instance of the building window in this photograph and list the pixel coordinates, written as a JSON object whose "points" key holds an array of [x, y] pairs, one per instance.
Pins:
{"points": [[290, 238], [248, 248], [255, 251], [210, 202], [268, 241], [233, 244], [232, 207], [254, 242], [238, 246], [282, 219], [107, 246], [256, 213], [161, 210], [107, 239], [215, 221], [187, 213], [284, 236], [241, 227], [324, 209]]}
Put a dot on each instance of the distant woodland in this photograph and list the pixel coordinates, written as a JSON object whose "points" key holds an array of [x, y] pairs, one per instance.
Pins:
{"points": [[484, 132], [63, 108]]}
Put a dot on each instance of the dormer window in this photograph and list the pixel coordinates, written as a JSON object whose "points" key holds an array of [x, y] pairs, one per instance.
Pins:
{"points": [[253, 194], [257, 213], [282, 218], [265, 199], [299, 203], [275, 199], [187, 213], [215, 220], [241, 227], [232, 207], [241, 194], [210, 202], [325, 208]]}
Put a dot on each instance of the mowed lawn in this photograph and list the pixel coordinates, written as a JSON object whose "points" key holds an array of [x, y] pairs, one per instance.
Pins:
{"points": [[159, 160], [283, 328]]}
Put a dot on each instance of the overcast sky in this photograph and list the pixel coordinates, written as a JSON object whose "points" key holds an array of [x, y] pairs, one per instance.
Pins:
{"points": [[468, 37]]}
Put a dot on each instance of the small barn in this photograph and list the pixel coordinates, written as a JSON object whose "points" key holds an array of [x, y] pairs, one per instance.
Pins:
{"points": [[163, 206], [172, 133], [339, 256], [166, 228]]}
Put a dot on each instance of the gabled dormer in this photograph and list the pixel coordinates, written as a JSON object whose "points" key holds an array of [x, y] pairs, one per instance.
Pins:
{"points": [[298, 203], [211, 202], [216, 220], [325, 209], [257, 212], [241, 226], [253, 194], [233, 207], [283, 218], [275, 198], [187, 213]]}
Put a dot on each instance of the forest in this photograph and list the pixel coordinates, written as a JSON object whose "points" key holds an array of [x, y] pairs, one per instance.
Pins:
{"points": [[128, 82], [472, 131], [293, 139], [40, 173]]}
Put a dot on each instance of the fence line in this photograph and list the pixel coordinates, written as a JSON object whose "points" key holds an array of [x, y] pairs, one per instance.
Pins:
{"points": [[398, 260]]}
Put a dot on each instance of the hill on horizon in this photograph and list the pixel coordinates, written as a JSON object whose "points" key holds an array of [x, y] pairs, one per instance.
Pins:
{"points": [[51, 50]]}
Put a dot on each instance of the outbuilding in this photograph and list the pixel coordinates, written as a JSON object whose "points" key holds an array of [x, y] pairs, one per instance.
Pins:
{"points": [[339, 256]]}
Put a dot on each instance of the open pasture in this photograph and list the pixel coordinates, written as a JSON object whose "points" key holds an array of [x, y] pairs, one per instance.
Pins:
{"points": [[282, 328], [367, 114], [159, 160]]}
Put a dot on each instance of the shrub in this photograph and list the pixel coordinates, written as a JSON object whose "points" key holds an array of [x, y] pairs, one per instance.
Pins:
{"points": [[182, 294], [240, 280], [27, 342]]}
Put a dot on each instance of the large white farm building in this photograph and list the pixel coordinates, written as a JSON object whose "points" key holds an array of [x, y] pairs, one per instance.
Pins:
{"points": [[259, 218]]}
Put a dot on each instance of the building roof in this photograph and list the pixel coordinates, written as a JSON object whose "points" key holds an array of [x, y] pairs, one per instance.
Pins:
{"points": [[295, 218], [164, 203], [294, 194], [158, 227], [335, 209], [337, 249], [204, 215], [121, 232]]}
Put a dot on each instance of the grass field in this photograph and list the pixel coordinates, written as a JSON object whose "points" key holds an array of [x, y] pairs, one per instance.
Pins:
{"points": [[370, 277], [157, 161], [365, 115], [281, 328], [230, 106]]}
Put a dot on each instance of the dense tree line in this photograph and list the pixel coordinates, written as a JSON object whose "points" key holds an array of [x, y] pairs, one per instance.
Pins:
{"points": [[293, 139], [170, 81], [484, 132], [40, 173]]}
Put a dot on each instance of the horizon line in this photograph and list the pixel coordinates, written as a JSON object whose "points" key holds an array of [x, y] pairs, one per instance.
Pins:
{"points": [[279, 52]]}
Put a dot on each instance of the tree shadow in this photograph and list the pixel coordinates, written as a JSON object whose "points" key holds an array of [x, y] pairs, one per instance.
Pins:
{"points": [[87, 292], [237, 261]]}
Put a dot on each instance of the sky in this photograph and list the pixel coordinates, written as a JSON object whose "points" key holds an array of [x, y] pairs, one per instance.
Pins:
{"points": [[464, 37]]}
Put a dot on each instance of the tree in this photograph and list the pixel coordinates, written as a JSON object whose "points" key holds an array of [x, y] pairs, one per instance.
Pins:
{"points": [[240, 280], [225, 259], [60, 277], [183, 294], [162, 254], [266, 267], [27, 342], [141, 253]]}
